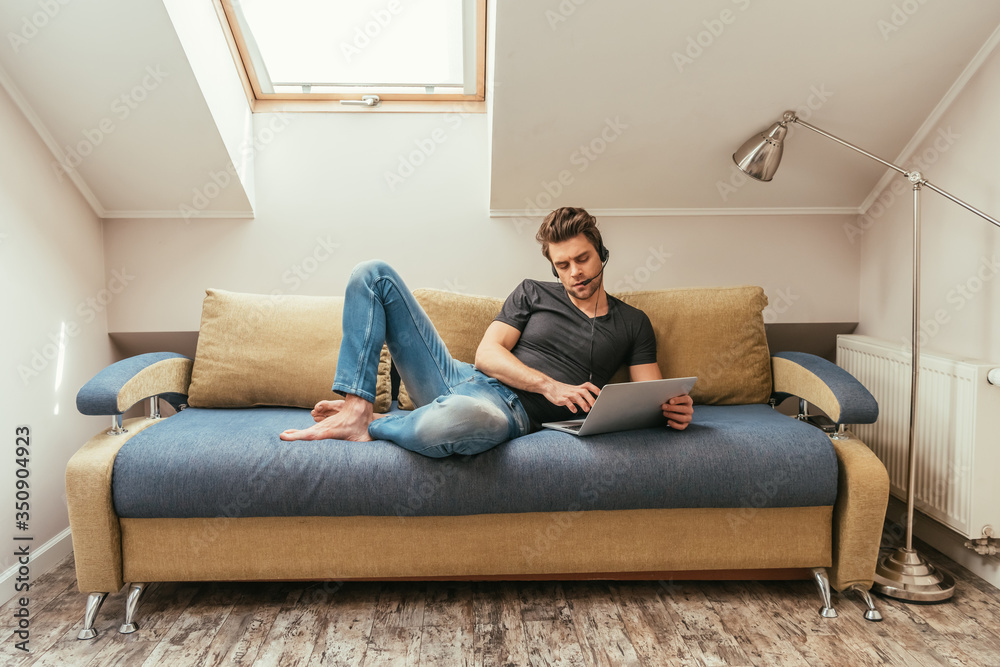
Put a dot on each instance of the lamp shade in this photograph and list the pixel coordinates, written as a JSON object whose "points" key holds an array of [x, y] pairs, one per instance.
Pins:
{"points": [[760, 156]]}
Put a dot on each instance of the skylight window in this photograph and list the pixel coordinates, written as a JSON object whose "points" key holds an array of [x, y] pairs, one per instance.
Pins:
{"points": [[398, 50]]}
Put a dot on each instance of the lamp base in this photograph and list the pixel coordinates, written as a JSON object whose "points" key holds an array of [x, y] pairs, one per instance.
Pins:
{"points": [[906, 575]]}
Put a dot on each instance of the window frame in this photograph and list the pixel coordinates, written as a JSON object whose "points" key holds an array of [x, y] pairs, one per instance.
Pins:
{"points": [[330, 102]]}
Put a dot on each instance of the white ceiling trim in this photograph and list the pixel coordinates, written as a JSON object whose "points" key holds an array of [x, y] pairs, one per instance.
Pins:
{"points": [[933, 119], [53, 146], [686, 212], [175, 214]]}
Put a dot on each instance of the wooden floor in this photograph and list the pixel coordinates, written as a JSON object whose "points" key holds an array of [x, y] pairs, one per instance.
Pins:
{"points": [[506, 623]]}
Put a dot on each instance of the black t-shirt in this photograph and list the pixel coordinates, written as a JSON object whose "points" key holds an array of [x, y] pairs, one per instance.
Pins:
{"points": [[556, 340]]}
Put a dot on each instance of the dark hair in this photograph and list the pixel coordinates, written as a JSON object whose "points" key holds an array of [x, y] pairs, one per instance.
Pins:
{"points": [[563, 224]]}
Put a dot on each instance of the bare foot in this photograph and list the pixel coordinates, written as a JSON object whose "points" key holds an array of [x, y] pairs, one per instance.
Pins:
{"points": [[330, 428], [326, 409], [349, 421]]}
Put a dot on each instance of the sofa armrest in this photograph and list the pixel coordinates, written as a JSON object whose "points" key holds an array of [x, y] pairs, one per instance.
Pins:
{"points": [[124, 383], [96, 531], [826, 385], [858, 514]]}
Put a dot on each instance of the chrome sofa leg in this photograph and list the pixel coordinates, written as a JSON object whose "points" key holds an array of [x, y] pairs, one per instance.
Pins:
{"points": [[823, 581], [116, 426], [871, 614], [131, 604], [94, 602]]}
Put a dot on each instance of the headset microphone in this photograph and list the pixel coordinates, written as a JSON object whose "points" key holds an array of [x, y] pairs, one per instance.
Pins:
{"points": [[590, 280]]}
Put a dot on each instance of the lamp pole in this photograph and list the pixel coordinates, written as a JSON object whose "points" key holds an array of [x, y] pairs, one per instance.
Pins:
{"points": [[904, 573]]}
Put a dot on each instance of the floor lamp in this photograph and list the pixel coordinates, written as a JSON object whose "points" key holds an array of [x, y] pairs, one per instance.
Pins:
{"points": [[904, 573]]}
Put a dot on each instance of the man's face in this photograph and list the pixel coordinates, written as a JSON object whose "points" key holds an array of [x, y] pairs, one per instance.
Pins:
{"points": [[576, 260]]}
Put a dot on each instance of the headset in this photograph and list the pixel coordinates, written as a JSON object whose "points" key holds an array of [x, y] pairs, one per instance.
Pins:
{"points": [[604, 254]]}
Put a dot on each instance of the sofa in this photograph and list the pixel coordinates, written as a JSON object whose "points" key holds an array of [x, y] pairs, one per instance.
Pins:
{"points": [[210, 493]]}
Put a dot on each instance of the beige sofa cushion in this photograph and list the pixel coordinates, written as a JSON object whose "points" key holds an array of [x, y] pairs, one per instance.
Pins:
{"points": [[715, 333], [259, 349], [460, 319]]}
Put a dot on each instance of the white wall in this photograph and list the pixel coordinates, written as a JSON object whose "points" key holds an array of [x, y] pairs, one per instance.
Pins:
{"points": [[960, 262], [960, 259], [321, 182], [54, 336]]}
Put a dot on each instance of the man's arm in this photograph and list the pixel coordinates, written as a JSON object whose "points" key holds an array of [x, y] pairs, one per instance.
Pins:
{"points": [[678, 410], [494, 357]]}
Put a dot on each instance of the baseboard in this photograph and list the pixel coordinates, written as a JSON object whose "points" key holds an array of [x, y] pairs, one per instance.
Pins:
{"points": [[41, 560], [948, 542]]}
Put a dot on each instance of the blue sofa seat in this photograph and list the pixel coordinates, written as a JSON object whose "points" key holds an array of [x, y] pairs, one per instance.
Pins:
{"points": [[231, 463]]}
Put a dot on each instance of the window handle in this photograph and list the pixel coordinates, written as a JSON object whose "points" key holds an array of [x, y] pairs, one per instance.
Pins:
{"points": [[366, 100]]}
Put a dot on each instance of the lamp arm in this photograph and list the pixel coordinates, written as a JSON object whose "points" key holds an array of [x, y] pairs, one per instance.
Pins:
{"points": [[796, 119], [961, 203], [914, 176]]}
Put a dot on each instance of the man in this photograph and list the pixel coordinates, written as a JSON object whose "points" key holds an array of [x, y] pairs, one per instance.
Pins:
{"points": [[544, 358]]}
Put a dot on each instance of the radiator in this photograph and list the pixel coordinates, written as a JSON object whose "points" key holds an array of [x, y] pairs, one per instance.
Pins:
{"points": [[957, 433]]}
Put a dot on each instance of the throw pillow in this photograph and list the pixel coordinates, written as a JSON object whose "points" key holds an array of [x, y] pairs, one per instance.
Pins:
{"points": [[715, 333], [259, 349]]}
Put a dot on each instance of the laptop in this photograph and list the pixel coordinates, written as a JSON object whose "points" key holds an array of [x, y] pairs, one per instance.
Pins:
{"points": [[625, 406]]}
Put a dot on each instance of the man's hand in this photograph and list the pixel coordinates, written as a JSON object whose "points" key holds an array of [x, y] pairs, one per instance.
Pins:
{"points": [[678, 411], [572, 396]]}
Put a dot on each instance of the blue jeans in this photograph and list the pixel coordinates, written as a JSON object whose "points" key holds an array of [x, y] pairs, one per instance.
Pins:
{"points": [[460, 410]]}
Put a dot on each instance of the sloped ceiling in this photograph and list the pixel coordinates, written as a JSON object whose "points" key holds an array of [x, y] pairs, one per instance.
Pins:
{"points": [[108, 86], [630, 106], [668, 90]]}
